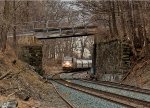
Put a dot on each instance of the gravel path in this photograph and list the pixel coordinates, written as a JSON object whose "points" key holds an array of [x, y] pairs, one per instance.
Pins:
{"points": [[83, 100]]}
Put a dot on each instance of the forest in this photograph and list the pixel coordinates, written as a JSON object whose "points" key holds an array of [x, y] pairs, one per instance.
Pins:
{"points": [[126, 20], [118, 51]]}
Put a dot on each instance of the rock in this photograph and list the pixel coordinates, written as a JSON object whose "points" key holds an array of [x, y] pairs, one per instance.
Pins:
{"points": [[24, 95], [14, 62], [33, 56], [2, 90], [1, 104], [9, 104], [1, 61]]}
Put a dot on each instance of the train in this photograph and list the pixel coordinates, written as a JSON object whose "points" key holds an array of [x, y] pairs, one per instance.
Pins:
{"points": [[71, 63]]}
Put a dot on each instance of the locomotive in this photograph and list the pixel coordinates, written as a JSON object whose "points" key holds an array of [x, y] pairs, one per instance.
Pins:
{"points": [[70, 64]]}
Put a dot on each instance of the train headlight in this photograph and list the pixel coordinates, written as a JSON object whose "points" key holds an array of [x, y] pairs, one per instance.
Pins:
{"points": [[67, 64]]}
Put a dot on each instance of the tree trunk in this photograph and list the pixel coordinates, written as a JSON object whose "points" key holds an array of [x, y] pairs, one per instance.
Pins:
{"points": [[115, 30], [145, 48], [132, 26], [5, 26], [120, 6], [14, 27]]}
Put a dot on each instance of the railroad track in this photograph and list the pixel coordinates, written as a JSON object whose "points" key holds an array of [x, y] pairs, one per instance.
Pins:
{"points": [[118, 86], [66, 101], [119, 99], [140, 95], [107, 95], [82, 99], [122, 89]]}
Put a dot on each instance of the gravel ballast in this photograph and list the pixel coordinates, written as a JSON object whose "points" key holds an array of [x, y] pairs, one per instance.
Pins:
{"points": [[83, 100], [131, 94]]}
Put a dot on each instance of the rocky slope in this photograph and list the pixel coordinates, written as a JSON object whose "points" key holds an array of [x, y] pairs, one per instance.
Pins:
{"points": [[18, 81], [139, 75]]}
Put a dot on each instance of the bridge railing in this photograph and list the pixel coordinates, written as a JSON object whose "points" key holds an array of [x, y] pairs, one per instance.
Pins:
{"points": [[48, 29]]}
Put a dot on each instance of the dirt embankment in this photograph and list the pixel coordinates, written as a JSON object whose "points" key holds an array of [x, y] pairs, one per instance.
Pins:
{"points": [[20, 82], [140, 75]]}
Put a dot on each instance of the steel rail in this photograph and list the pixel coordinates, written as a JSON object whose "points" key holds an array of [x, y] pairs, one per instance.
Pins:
{"points": [[119, 86], [115, 98], [67, 102]]}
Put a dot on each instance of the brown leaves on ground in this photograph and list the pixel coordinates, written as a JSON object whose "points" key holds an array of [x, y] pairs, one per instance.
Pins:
{"points": [[21, 82], [140, 75]]}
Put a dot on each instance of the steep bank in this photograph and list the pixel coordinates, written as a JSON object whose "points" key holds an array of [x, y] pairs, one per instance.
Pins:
{"points": [[20, 82], [139, 75]]}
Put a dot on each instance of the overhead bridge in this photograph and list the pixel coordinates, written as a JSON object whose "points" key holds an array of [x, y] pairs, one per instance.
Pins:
{"points": [[46, 30], [64, 32]]}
